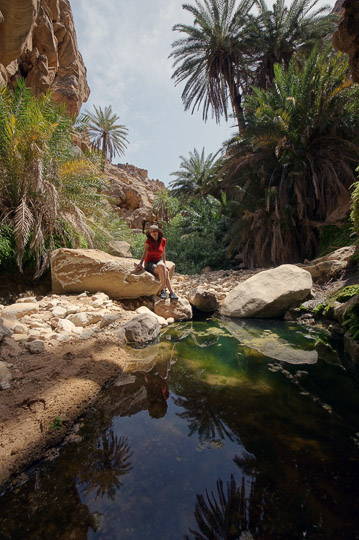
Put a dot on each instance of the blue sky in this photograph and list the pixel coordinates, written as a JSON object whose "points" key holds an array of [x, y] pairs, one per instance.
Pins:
{"points": [[125, 45]]}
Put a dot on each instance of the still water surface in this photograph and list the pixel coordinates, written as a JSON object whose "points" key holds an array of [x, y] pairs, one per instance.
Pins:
{"points": [[233, 430]]}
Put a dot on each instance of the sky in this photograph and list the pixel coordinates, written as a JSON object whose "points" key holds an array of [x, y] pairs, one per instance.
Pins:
{"points": [[125, 45]]}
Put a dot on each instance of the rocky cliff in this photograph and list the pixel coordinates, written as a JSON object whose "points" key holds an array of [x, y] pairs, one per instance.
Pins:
{"points": [[38, 42], [346, 38], [133, 193]]}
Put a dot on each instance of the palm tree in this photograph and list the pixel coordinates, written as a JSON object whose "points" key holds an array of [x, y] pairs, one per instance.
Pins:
{"points": [[164, 206], [294, 163], [210, 57], [198, 175], [106, 133], [48, 197], [274, 36]]}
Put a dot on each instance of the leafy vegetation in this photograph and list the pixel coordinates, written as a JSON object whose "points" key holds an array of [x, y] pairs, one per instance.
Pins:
{"points": [[165, 206], [48, 196], [292, 165], [351, 321], [275, 35], [231, 47], [333, 237], [210, 56], [198, 175], [195, 236], [105, 132]]}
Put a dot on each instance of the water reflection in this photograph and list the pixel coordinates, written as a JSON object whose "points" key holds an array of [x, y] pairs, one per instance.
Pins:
{"points": [[104, 464], [202, 417], [241, 447], [224, 515], [269, 343]]}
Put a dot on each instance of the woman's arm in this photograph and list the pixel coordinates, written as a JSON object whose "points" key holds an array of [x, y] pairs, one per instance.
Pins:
{"points": [[163, 256], [145, 251]]}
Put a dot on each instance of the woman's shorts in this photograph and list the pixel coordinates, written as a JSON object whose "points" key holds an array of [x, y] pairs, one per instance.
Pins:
{"points": [[150, 267]]}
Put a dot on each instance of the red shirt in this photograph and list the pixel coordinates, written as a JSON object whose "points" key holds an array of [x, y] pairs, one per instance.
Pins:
{"points": [[155, 250]]}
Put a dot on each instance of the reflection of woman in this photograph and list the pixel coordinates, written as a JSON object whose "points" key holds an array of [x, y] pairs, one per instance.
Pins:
{"points": [[157, 387], [154, 256], [157, 395]]}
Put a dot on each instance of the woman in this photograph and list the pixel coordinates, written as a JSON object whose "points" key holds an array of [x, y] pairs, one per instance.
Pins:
{"points": [[154, 256]]}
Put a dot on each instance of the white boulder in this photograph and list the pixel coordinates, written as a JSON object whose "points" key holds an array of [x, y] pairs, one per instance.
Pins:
{"points": [[92, 270], [268, 294]]}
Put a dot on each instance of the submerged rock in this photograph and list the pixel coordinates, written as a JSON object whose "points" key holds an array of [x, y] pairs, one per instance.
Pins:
{"points": [[271, 345]]}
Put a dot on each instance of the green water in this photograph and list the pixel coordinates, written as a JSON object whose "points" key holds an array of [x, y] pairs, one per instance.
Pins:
{"points": [[232, 430]]}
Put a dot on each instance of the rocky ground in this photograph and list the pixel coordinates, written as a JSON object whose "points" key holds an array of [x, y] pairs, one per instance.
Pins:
{"points": [[61, 351]]}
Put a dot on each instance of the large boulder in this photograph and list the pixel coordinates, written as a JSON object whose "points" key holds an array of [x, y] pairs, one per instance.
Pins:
{"points": [[268, 294], [329, 266], [92, 270], [203, 299], [142, 329], [179, 310]]}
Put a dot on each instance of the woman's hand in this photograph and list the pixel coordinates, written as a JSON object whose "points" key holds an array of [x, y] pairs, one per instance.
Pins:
{"points": [[139, 266]]}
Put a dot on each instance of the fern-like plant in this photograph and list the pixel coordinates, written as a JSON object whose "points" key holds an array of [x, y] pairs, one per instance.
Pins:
{"points": [[48, 196]]}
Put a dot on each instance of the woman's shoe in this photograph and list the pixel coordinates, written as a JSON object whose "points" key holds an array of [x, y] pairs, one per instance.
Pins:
{"points": [[173, 296], [163, 294]]}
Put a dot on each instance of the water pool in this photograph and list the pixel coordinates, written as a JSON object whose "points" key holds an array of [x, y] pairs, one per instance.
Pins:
{"points": [[233, 429]]}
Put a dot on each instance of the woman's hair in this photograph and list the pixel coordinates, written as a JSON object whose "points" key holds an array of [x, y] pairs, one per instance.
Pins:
{"points": [[160, 236]]}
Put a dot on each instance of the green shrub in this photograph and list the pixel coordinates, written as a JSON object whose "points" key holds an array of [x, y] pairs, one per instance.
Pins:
{"points": [[332, 237], [195, 237], [351, 321], [7, 248]]}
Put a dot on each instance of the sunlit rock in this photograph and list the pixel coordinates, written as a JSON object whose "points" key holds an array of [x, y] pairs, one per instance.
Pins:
{"points": [[203, 299], [143, 328], [92, 270], [179, 309], [268, 294]]}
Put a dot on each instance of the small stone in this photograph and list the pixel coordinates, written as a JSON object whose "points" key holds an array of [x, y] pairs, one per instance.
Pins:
{"points": [[20, 329], [65, 325], [5, 376], [36, 347], [59, 312], [26, 299], [63, 338]]}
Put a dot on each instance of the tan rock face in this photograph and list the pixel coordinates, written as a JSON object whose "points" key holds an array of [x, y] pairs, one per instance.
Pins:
{"points": [[38, 42], [268, 294], [133, 192], [346, 38], [92, 270]]}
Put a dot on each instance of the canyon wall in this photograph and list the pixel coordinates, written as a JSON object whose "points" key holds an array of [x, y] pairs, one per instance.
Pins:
{"points": [[346, 38], [38, 42]]}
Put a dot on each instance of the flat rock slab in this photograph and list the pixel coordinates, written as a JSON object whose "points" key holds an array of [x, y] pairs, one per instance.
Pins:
{"points": [[92, 270], [268, 294]]}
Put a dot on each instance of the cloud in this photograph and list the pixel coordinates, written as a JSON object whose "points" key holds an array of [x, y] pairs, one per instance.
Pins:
{"points": [[125, 46]]}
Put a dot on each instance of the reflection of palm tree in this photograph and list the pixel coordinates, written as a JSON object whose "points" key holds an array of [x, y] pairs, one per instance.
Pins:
{"points": [[221, 518], [202, 418], [105, 464]]}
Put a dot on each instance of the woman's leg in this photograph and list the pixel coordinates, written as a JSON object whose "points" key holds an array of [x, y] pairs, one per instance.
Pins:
{"points": [[160, 272], [168, 282]]}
